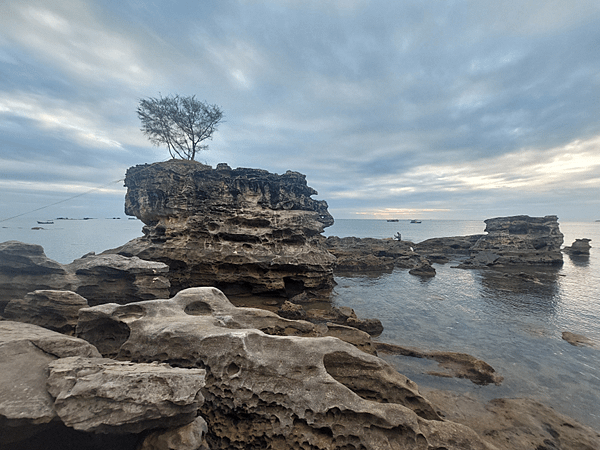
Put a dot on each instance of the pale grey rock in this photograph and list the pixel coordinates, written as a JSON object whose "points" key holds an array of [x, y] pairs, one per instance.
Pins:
{"points": [[105, 396], [25, 351], [54, 310], [276, 391], [580, 247], [187, 437], [241, 230]]}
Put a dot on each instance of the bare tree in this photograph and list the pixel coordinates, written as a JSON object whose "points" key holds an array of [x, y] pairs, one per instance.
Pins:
{"points": [[180, 123]]}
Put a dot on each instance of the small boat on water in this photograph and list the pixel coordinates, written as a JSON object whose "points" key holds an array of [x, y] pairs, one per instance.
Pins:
{"points": [[392, 220], [415, 221], [45, 222]]}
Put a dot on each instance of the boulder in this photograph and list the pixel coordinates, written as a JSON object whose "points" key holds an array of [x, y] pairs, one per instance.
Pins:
{"points": [[241, 230], [25, 268], [424, 270], [289, 310], [105, 396], [119, 279], [26, 407], [516, 241], [578, 340], [54, 310], [275, 390]]}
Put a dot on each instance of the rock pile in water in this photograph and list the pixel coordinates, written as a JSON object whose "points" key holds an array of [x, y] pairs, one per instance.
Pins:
{"points": [[241, 230]]}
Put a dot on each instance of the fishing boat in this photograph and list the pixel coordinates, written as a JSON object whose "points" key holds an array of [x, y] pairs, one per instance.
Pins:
{"points": [[45, 222], [392, 220], [415, 221]]}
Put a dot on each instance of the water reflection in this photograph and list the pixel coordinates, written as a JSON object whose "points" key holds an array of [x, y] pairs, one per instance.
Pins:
{"points": [[529, 292], [580, 260]]}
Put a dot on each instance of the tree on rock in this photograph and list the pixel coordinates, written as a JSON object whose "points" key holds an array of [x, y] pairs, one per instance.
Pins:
{"points": [[180, 123]]}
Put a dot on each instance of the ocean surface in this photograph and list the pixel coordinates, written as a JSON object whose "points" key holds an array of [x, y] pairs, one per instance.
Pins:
{"points": [[515, 327]]}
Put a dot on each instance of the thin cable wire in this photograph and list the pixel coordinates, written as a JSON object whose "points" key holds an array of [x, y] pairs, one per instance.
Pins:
{"points": [[61, 201]]}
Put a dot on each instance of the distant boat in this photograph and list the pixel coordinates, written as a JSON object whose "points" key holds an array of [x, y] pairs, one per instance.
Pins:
{"points": [[415, 221], [45, 222], [392, 220]]}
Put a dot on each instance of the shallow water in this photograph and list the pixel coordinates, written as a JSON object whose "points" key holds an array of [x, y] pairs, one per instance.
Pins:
{"points": [[515, 327]]}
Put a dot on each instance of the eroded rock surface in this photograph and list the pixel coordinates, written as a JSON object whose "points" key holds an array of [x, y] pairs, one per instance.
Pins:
{"points": [[54, 310], [275, 390], [518, 240], [241, 230], [105, 396], [580, 247], [25, 268], [516, 424]]}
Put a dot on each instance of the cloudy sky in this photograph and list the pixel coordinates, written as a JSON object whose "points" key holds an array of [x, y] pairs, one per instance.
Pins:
{"points": [[445, 109]]}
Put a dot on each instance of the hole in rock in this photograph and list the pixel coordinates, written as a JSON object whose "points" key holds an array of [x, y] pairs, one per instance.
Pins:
{"points": [[293, 287], [233, 369], [198, 308]]}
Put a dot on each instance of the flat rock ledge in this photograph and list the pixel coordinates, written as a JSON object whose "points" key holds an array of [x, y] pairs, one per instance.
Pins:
{"points": [[279, 390]]}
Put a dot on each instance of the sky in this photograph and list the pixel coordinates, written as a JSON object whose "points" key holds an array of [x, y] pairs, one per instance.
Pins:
{"points": [[440, 109]]}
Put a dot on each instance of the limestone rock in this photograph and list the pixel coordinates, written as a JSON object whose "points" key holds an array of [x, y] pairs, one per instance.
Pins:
{"points": [[423, 270], [345, 316], [241, 230], [369, 255], [578, 340], [581, 247], [520, 240], [25, 351], [516, 424], [105, 396], [275, 391], [54, 310], [459, 365], [292, 311], [118, 279], [455, 245], [25, 268], [188, 437]]}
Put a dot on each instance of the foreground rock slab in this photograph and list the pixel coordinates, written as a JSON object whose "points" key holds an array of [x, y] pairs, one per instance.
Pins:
{"points": [[241, 230], [105, 396], [274, 391]]}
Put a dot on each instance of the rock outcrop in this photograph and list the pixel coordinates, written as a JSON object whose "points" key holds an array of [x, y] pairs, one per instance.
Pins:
{"points": [[241, 230], [277, 390], [57, 391], [25, 268], [518, 240], [54, 310], [581, 247]]}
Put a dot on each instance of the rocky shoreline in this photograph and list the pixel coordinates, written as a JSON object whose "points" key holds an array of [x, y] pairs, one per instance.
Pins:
{"points": [[140, 348]]}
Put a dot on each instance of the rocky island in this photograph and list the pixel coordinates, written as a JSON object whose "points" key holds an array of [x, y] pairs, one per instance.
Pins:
{"points": [[138, 348]]}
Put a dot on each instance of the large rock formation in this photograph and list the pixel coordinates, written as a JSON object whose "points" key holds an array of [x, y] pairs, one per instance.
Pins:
{"points": [[25, 268], [57, 391], [518, 240], [242, 230], [580, 247], [278, 390]]}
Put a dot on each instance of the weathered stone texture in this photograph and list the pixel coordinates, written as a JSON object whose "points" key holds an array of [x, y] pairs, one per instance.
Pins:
{"points": [[241, 230], [277, 390]]}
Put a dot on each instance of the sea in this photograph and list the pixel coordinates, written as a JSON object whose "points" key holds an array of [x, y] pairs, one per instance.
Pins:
{"points": [[517, 328]]}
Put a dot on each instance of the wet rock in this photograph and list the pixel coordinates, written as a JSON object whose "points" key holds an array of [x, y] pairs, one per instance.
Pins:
{"points": [[291, 311], [105, 396], [580, 247], [276, 391], [241, 230], [515, 424], [577, 340], [54, 310], [371, 255], [459, 365], [423, 270], [447, 246], [347, 317]]}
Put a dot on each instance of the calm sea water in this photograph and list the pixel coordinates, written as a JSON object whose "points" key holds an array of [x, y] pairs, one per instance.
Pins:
{"points": [[516, 329]]}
